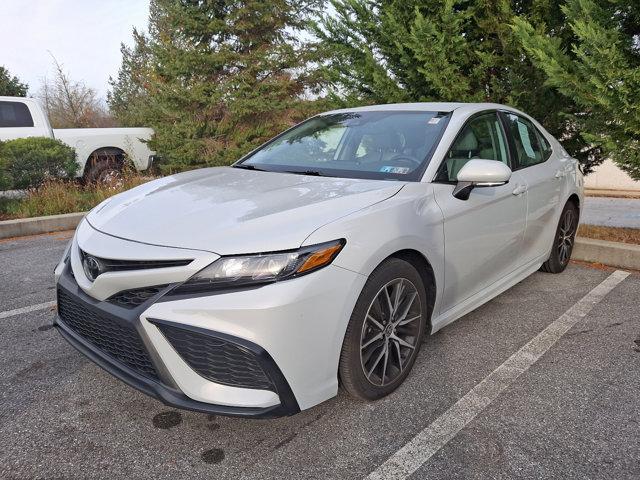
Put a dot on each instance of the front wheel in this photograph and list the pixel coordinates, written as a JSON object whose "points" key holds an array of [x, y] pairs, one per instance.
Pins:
{"points": [[385, 331], [563, 241]]}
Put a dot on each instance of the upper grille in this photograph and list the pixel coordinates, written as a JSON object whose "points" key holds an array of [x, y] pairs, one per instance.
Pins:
{"points": [[135, 297], [111, 265], [114, 338], [218, 360]]}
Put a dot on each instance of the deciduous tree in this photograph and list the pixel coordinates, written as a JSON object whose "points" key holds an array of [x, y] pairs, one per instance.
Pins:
{"points": [[70, 103]]}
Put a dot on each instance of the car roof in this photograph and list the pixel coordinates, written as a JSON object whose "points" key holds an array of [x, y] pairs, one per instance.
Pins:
{"points": [[425, 107]]}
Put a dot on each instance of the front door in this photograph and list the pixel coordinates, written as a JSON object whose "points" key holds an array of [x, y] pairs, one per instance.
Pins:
{"points": [[483, 234]]}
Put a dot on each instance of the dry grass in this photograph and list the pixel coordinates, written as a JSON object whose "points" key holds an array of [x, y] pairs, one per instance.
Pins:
{"points": [[613, 193], [612, 234], [58, 197]]}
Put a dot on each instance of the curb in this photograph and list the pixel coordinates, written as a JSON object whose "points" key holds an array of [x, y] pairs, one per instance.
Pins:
{"points": [[601, 192], [614, 254], [37, 225]]}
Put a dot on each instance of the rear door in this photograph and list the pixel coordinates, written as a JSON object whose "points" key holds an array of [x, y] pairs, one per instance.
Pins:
{"points": [[542, 172], [483, 234]]}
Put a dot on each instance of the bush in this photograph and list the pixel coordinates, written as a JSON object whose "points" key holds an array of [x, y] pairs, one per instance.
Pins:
{"points": [[5, 181], [28, 162]]}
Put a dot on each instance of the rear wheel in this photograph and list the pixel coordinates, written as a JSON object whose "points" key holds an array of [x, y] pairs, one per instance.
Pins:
{"points": [[563, 241], [105, 168], [385, 331]]}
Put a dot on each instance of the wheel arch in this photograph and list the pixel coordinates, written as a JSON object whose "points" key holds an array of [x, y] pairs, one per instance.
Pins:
{"points": [[425, 270], [575, 200], [115, 154]]}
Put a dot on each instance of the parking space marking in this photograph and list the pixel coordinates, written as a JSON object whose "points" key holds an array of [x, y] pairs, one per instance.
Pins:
{"points": [[31, 308], [425, 444]]}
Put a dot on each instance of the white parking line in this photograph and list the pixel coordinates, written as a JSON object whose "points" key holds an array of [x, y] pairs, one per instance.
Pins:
{"points": [[31, 308], [435, 436]]}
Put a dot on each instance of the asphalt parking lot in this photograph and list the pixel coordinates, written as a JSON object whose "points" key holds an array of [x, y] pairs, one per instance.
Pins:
{"points": [[573, 413]]}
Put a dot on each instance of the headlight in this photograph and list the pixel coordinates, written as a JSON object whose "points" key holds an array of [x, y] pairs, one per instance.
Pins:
{"points": [[242, 270]]}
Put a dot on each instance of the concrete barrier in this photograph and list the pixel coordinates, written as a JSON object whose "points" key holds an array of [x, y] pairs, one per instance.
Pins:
{"points": [[614, 254], [37, 225]]}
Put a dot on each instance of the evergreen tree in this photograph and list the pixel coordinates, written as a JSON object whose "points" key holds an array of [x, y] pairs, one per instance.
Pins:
{"points": [[600, 72], [11, 86], [127, 98], [215, 78], [382, 51]]}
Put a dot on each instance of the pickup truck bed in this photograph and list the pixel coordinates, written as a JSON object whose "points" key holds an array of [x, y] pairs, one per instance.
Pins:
{"points": [[99, 151]]}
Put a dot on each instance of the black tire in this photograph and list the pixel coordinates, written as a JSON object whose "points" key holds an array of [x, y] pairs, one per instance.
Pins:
{"points": [[103, 171], [361, 331], [563, 240]]}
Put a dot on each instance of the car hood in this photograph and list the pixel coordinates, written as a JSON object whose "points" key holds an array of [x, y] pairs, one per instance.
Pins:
{"points": [[230, 210]]}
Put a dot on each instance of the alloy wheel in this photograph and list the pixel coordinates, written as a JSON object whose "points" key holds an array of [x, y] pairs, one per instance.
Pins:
{"points": [[390, 331], [566, 234], [111, 178]]}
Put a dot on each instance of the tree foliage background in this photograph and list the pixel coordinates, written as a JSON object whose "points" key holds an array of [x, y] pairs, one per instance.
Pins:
{"points": [[599, 72], [10, 85], [217, 78]]}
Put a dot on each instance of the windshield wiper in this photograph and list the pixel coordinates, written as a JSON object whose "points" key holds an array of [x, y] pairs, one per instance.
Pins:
{"points": [[314, 173], [249, 167]]}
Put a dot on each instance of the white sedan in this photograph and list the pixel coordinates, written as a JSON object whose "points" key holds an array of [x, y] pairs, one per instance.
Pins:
{"points": [[319, 259]]}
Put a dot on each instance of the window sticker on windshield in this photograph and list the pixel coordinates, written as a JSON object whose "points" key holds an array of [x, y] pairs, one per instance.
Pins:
{"points": [[526, 141], [400, 170], [434, 121]]}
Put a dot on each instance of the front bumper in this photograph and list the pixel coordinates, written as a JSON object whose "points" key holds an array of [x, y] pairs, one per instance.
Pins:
{"points": [[292, 331], [144, 370], [166, 395]]}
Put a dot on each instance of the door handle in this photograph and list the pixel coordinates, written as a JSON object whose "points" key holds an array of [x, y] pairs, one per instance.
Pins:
{"points": [[520, 189]]}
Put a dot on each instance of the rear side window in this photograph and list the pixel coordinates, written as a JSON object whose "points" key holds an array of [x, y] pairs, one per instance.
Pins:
{"points": [[15, 114], [546, 147], [529, 149]]}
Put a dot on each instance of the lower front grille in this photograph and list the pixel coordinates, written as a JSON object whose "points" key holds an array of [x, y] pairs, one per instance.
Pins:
{"points": [[218, 360], [115, 338]]}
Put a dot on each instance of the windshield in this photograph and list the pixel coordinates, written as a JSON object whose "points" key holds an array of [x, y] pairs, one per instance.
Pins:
{"points": [[379, 145]]}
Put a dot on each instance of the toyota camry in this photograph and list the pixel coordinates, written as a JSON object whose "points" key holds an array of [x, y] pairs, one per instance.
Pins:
{"points": [[320, 259]]}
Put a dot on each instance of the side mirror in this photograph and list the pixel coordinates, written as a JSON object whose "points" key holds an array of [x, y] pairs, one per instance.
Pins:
{"points": [[480, 173]]}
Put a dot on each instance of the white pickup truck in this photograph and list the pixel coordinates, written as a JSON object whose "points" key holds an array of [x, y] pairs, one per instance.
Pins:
{"points": [[101, 152]]}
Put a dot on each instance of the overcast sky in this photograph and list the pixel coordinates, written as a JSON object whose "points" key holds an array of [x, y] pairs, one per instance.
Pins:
{"points": [[84, 36]]}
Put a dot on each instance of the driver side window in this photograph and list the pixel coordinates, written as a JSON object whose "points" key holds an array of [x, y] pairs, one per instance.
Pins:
{"points": [[482, 138]]}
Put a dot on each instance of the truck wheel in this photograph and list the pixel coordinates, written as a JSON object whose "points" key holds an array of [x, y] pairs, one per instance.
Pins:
{"points": [[104, 169]]}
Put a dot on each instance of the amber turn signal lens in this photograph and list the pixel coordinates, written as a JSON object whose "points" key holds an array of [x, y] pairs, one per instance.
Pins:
{"points": [[320, 258]]}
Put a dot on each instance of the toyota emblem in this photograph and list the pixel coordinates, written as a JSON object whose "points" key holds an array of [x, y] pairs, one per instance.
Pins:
{"points": [[92, 267]]}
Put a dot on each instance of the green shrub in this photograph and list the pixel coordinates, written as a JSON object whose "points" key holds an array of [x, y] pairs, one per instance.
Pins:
{"points": [[5, 181], [28, 162]]}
